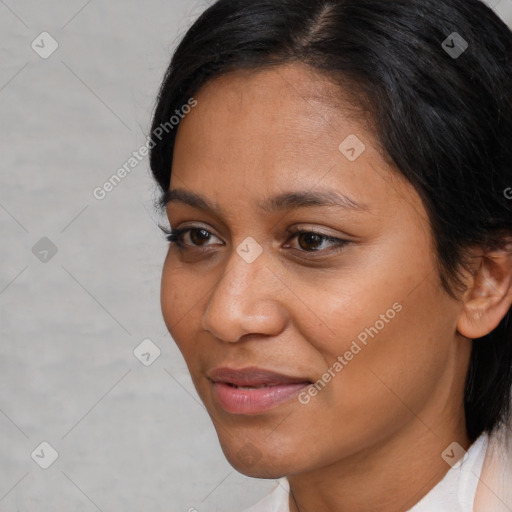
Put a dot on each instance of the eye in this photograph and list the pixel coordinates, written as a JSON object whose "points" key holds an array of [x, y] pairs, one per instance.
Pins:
{"points": [[197, 237], [311, 241], [308, 241]]}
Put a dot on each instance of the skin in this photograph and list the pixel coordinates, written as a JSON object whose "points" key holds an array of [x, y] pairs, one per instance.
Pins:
{"points": [[372, 439]]}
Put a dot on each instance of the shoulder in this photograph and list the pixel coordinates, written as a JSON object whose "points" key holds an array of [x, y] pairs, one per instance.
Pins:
{"points": [[494, 491], [276, 501]]}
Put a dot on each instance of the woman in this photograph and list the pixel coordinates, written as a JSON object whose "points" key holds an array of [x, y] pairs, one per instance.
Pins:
{"points": [[339, 272]]}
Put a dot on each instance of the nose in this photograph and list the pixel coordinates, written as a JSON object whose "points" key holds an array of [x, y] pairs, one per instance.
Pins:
{"points": [[245, 300]]}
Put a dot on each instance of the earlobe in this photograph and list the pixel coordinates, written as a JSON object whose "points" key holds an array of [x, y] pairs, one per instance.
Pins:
{"points": [[488, 297]]}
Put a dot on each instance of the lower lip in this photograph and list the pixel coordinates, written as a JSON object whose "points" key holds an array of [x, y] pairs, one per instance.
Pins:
{"points": [[253, 401]]}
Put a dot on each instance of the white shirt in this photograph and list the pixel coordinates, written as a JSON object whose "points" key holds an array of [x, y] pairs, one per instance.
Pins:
{"points": [[454, 493]]}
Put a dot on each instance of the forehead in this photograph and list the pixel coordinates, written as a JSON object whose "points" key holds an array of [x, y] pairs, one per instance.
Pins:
{"points": [[256, 133], [291, 97], [288, 111], [290, 80]]}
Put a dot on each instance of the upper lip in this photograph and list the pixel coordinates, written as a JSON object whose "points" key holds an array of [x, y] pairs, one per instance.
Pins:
{"points": [[253, 376]]}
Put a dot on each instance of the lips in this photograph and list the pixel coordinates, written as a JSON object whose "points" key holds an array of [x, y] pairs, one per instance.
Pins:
{"points": [[253, 378], [253, 390]]}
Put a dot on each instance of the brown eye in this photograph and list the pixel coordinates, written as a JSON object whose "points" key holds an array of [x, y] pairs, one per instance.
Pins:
{"points": [[199, 236], [310, 241], [189, 238]]}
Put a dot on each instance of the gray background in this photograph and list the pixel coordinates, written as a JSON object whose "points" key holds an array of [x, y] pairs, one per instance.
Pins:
{"points": [[129, 437]]}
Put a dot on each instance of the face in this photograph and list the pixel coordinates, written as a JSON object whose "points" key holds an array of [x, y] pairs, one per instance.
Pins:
{"points": [[303, 258]]}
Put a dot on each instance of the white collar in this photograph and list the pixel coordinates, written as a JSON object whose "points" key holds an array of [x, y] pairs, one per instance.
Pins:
{"points": [[456, 491]]}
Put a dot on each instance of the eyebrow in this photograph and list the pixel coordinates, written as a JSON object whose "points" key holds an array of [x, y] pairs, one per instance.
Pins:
{"points": [[279, 203]]}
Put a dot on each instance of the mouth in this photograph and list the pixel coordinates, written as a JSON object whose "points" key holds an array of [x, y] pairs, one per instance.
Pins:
{"points": [[253, 390]]}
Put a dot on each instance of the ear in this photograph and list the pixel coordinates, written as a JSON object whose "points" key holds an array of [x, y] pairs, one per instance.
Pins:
{"points": [[488, 296]]}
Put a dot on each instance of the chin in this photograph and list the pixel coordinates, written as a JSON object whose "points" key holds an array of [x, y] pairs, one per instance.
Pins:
{"points": [[250, 461], [260, 471]]}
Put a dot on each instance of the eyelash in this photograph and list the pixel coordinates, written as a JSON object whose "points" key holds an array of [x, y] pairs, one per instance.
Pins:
{"points": [[174, 237]]}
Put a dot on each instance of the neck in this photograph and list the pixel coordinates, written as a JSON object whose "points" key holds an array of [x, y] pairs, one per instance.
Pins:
{"points": [[390, 477]]}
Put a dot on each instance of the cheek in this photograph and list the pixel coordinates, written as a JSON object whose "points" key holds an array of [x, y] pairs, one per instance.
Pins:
{"points": [[180, 300], [387, 358], [382, 383], [384, 339]]}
